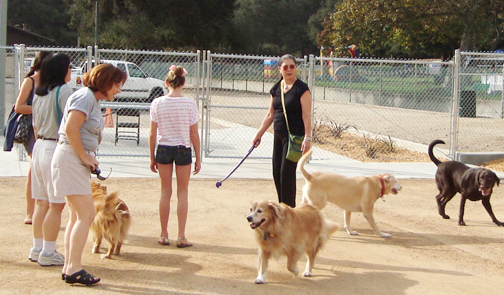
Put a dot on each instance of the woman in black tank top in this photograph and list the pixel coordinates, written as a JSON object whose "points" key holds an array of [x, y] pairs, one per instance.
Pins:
{"points": [[298, 104]]}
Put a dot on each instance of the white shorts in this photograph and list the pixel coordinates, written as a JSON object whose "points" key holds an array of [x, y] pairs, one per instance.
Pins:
{"points": [[41, 178], [69, 174]]}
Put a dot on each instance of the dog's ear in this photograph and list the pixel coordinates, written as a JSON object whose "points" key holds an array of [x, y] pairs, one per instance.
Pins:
{"points": [[497, 179], [387, 177], [478, 176], [276, 209]]}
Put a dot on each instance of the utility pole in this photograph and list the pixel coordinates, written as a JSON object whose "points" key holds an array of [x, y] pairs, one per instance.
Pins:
{"points": [[95, 24]]}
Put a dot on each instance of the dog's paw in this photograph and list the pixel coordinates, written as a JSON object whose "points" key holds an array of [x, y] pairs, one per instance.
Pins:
{"points": [[95, 250], [261, 279], [462, 223], [446, 216], [385, 235], [307, 274], [105, 256], [352, 233]]}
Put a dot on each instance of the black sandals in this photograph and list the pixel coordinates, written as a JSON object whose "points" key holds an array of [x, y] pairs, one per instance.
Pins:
{"points": [[81, 277]]}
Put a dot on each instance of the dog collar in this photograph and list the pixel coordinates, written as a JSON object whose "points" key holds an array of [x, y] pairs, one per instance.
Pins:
{"points": [[382, 186], [271, 235]]}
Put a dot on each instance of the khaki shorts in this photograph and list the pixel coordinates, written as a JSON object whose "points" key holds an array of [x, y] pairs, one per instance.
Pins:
{"points": [[69, 175], [41, 178]]}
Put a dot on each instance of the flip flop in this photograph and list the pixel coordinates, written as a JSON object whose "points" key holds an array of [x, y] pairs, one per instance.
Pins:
{"points": [[183, 245], [164, 241], [28, 221]]}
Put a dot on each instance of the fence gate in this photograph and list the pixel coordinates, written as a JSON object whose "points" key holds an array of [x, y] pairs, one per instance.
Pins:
{"points": [[236, 101]]}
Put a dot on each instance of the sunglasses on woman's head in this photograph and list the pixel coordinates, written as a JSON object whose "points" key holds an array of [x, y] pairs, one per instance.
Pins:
{"points": [[286, 67]]}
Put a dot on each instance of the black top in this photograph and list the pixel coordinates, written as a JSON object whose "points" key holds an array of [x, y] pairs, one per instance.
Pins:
{"points": [[292, 105], [29, 101]]}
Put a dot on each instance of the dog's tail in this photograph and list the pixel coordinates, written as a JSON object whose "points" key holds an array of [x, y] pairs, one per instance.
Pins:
{"points": [[328, 229], [431, 153], [301, 163]]}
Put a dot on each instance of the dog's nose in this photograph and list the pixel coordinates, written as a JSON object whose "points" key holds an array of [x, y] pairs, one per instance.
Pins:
{"points": [[249, 218]]}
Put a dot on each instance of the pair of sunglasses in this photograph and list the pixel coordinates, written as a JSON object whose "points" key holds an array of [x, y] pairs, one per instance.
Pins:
{"points": [[286, 67]]}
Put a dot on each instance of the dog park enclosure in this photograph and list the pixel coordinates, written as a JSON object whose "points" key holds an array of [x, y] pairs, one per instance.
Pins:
{"points": [[409, 102]]}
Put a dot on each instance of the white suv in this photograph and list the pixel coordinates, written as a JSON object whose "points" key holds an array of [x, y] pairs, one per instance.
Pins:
{"points": [[139, 87]]}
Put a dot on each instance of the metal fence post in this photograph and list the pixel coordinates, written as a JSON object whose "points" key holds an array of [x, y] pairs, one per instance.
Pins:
{"points": [[311, 78], [455, 106], [502, 95], [90, 56], [208, 99]]}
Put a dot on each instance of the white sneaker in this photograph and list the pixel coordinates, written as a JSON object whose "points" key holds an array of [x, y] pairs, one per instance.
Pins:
{"points": [[55, 258], [34, 255]]}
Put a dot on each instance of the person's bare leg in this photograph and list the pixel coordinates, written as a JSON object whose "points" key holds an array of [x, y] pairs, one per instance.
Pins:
{"points": [[39, 214], [183, 176], [84, 209], [52, 221], [30, 202], [68, 231], [165, 175]]}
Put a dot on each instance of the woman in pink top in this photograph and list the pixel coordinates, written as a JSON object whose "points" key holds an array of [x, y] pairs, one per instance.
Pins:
{"points": [[174, 128]]}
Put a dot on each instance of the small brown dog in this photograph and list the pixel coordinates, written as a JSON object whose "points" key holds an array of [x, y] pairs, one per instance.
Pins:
{"points": [[111, 222], [352, 194], [282, 230]]}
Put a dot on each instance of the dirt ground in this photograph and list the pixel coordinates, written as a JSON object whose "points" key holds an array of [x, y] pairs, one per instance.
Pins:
{"points": [[425, 255]]}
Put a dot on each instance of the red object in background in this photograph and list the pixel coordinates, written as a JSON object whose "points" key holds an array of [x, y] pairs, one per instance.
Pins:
{"points": [[354, 51]]}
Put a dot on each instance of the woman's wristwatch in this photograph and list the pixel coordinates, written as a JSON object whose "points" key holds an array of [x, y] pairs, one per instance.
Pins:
{"points": [[307, 138]]}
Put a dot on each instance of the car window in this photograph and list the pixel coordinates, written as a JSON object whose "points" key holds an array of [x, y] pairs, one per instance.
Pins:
{"points": [[122, 67], [135, 71]]}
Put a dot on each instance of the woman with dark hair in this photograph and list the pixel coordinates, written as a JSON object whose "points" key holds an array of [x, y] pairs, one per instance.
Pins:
{"points": [[298, 105], [51, 95], [74, 159], [23, 106]]}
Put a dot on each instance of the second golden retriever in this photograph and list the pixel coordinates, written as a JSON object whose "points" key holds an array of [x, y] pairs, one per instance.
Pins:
{"points": [[282, 230], [352, 194], [111, 222]]}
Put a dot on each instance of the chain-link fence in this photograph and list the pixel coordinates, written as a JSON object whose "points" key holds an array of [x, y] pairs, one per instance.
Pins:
{"points": [[481, 98], [398, 103], [384, 104]]}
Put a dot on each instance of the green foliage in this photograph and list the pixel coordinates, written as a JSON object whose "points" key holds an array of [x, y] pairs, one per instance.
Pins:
{"points": [[383, 28], [142, 24], [274, 27], [415, 28], [48, 18]]}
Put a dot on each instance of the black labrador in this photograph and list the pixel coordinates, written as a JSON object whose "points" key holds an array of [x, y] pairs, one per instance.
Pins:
{"points": [[473, 184]]}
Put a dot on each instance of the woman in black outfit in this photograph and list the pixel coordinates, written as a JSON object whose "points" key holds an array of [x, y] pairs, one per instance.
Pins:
{"points": [[298, 104]]}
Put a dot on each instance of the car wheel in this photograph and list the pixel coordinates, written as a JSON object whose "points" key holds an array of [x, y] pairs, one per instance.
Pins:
{"points": [[155, 93]]}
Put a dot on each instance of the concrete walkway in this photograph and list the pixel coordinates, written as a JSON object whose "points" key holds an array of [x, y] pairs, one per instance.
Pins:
{"points": [[16, 163]]}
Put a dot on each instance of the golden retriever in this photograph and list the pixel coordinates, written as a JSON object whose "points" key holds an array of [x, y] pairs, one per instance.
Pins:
{"points": [[111, 222], [282, 230], [352, 194]]}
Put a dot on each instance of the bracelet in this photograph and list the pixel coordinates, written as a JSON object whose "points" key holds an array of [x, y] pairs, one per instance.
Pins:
{"points": [[307, 138]]}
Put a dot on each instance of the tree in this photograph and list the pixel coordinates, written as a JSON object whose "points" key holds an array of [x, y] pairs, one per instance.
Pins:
{"points": [[274, 27], [48, 18], [156, 24], [415, 28]]}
